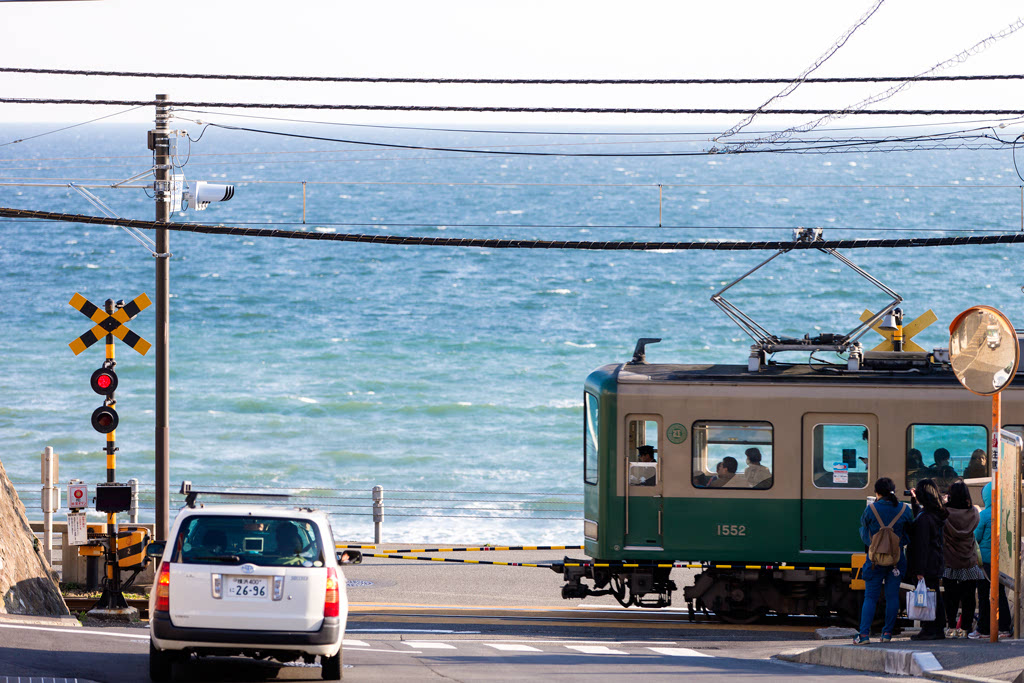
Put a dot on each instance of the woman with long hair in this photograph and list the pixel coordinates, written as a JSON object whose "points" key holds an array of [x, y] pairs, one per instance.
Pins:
{"points": [[926, 551], [885, 511], [962, 573]]}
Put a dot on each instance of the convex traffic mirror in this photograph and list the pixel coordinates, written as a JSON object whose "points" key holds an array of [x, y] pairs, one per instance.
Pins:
{"points": [[983, 350]]}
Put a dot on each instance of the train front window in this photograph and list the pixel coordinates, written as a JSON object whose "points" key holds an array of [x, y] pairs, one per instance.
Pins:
{"points": [[840, 456], [590, 425], [733, 455], [945, 453]]}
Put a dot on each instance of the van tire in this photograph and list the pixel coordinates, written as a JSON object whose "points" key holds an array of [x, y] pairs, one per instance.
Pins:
{"points": [[331, 667], [161, 664]]}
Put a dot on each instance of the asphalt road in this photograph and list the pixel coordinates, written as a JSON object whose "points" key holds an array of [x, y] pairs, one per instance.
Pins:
{"points": [[380, 650], [412, 620]]}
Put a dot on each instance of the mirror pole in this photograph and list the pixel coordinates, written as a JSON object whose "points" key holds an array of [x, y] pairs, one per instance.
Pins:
{"points": [[993, 593]]}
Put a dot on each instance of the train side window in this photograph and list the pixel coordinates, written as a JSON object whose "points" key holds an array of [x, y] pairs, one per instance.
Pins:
{"points": [[945, 453], [840, 456], [590, 442], [732, 455], [644, 455]]}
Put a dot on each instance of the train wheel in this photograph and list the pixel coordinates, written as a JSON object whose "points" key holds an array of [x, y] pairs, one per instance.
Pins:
{"points": [[741, 616]]}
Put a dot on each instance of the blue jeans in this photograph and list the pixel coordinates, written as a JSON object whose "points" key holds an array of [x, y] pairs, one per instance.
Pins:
{"points": [[875, 578]]}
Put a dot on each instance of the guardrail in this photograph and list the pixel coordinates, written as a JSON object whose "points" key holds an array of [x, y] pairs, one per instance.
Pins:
{"points": [[376, 503]]}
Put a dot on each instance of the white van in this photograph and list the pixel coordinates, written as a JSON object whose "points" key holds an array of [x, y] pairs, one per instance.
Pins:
{"points": [[248, 580]]}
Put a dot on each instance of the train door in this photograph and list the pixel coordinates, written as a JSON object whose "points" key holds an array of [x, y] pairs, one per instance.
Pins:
{"points": [[643, 477], [840, 465]]}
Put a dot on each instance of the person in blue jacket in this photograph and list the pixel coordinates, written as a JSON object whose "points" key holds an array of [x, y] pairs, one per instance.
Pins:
{"points": [[983, 535], [875, 577]]}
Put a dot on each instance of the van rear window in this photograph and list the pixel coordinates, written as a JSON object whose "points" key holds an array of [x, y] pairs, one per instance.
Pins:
{"points": [[266, 541]]}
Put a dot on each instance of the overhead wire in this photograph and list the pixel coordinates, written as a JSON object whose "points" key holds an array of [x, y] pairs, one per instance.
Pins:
{"points": [[508, 109], [469, 242], [818, 63], [500, 81], [958, 58], [75, 125]]}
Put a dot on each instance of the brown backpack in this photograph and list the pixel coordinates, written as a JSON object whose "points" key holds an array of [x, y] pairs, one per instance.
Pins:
{"points": [[884, 550]]}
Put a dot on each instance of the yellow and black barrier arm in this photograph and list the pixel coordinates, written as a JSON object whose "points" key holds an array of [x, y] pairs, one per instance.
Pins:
{"points": [[484, 548]]}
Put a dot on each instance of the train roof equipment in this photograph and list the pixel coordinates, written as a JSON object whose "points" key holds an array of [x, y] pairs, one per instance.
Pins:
{"points": [[766, 343]]}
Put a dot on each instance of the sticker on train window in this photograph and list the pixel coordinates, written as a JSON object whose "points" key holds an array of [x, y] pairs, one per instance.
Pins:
{"points": [[840, 456]]}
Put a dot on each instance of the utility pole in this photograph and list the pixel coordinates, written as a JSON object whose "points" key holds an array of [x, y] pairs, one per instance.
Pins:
{"points": [[159, 143]]}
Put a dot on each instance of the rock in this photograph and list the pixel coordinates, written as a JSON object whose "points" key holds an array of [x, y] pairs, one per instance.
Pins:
{"points": [[26, 578]]}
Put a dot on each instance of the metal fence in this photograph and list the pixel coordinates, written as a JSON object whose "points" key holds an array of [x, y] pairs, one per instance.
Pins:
{"points": [[375, 502]]}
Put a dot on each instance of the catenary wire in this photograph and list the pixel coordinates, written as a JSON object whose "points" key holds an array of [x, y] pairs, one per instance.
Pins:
{"points": [[504, 81], [512, 110], [464, 242], [74, 125]]}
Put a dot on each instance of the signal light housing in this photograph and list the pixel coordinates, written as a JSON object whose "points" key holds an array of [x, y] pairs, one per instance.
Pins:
{"points": [[104, 419], [103, 381]]}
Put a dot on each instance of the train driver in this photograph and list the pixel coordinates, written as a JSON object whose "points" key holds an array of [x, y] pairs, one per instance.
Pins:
{"points": [[647, 456], [724, 472], [755, 472]]}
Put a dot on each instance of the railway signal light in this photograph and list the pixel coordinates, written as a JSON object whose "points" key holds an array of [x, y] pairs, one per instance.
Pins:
{"points": [[104, 419], [104, 381]]}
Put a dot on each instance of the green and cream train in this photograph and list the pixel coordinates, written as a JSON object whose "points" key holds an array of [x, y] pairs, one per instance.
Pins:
{"points": [[760, 477]]}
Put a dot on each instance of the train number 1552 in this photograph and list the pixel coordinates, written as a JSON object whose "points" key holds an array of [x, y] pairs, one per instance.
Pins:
{"points": [[732, 529]]}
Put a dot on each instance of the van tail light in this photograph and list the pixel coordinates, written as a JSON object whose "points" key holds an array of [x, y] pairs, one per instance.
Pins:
{"points": [[163, 588], [331, 599]]}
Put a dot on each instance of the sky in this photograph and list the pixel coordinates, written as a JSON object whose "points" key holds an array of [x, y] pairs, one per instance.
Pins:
{"points": [[498, 38]]}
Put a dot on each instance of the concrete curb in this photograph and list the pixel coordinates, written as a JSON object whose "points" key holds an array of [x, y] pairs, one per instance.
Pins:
{"points": [[950, 677], [861, 658]]}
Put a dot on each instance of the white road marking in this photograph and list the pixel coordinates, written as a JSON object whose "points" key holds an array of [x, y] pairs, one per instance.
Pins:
{"points": [[428, 645], [76, 631], [357, 643], [596, 650], [511, 647], [678, 652]]}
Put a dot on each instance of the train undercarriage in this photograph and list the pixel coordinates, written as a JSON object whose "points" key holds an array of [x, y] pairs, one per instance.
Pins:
{"points": [[734, 595]]}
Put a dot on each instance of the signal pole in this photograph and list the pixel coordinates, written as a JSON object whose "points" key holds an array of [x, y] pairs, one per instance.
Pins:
{"points": [[159, 143]]}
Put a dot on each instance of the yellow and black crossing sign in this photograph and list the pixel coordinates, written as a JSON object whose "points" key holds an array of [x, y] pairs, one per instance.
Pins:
{"points": [[110, 323], [905, 331]]}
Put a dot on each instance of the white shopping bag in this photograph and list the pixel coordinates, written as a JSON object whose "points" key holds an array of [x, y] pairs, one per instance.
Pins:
{"points": [[921, 603]]}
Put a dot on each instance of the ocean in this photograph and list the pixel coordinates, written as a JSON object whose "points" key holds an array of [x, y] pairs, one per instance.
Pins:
{"points": [[443, 373]]}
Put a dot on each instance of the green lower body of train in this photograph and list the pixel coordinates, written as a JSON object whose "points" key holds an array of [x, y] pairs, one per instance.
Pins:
{"points": [[751, 554]]}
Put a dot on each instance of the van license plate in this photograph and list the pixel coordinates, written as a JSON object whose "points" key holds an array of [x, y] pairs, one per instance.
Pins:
{"points": [[247, 588]]}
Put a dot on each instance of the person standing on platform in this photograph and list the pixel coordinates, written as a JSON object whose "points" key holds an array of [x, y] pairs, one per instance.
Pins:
{"points": [[962, 573], [926, 551], [886, 511], [983, 535]]}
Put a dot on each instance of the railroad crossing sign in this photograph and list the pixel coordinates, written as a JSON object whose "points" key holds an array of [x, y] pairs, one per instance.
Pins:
{"points": [[909, 330], [112, 323]]}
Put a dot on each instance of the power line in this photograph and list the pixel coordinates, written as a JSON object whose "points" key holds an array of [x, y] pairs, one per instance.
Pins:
{"points": [[74, 125], [470, 242], [508, 81], [515, 110]]}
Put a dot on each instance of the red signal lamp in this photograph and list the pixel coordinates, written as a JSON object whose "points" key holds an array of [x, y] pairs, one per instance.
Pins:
{"points": [[104, 419], [103, 381]]}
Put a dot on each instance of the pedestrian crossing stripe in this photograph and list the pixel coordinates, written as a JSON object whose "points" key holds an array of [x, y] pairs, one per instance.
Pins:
{"points": [[110, 323]]}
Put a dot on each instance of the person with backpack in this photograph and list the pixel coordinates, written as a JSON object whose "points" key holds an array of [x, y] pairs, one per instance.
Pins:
{"points": [[962, 573], [926, 551], [883, 528]]}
